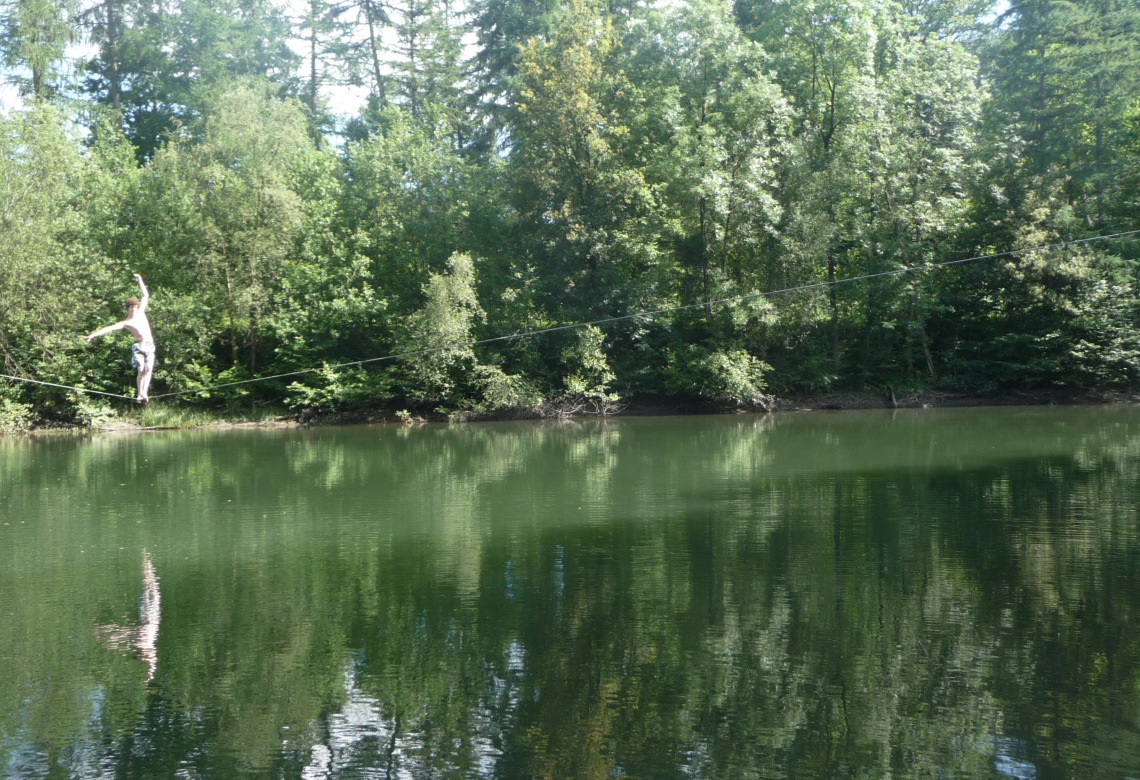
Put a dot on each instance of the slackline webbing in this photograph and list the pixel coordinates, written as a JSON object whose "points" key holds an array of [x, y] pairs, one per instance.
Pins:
{"points": [[65, 387], [602, 321]]}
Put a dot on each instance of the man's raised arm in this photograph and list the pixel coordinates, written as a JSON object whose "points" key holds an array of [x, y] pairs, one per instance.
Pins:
{"points": [[145, 293]]}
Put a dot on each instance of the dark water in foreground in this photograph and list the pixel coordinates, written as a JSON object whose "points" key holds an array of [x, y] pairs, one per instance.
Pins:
{"points": [[928, 594]]}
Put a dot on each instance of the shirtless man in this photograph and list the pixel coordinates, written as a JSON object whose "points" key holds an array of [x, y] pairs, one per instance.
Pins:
{"points": [[142, 351]]}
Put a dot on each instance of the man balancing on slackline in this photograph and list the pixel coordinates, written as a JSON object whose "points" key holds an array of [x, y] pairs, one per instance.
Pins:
{"points": [[142, 351]]}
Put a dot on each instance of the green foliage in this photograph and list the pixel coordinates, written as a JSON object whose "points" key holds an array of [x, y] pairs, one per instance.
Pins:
{"points": [[331, 389], [33, 35], [439, 357], [93, 411], [590, 206], [218, 219], [599, 159], [49, 269], [499, 390], [1105, 346], [587, 385], [733, 375], [407, 197], [428, 72], [723, 126], [160, 65], [437, 338], [500, 27], [1066, 76], [15, 416], [590, 373]]}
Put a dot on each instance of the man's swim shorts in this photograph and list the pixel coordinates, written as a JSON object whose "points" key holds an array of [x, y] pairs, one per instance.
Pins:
{"points": [[140, 355]]}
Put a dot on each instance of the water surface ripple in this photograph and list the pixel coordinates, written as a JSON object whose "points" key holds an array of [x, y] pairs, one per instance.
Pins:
{"points": [[937, 594]]}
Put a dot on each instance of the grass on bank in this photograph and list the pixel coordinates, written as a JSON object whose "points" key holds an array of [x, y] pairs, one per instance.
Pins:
{"points": [[175, 415], [20, 418], [104, 415]]}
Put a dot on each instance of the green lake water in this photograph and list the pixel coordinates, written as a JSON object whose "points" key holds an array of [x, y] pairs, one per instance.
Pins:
{"points": [[911, 594]]}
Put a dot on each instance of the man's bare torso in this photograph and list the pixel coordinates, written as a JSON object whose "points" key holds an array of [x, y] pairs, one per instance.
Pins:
{"points": [[139, 327]]}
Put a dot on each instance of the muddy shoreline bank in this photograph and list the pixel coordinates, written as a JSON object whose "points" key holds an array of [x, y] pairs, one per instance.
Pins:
{"points": [[644, 407], [838, 401]]}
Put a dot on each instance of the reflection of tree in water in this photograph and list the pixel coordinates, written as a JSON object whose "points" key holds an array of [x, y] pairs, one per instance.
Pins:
{"points": [[359, 735], [356, 734], [143, 637], [572, 601]]}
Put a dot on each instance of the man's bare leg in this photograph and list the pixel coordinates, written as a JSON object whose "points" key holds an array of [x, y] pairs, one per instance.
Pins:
{"points": [[144, 377]]}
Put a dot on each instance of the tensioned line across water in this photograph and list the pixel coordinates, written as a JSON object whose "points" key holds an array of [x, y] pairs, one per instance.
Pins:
{"points": [[602, 321]]}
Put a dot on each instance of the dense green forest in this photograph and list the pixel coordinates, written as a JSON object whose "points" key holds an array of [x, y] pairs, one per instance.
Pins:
{"points": [[528, 164]]}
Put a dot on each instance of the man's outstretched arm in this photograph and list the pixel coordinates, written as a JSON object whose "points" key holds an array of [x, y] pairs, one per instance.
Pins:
{"points": [[144, 291], [104, 331]]}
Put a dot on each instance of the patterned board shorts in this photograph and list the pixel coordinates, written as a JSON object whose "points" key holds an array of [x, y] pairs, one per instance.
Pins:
{"points": [[141, 355]]}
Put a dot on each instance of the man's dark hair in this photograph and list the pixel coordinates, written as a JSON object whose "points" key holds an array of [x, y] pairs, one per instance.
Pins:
{"points": [[133, 301]]}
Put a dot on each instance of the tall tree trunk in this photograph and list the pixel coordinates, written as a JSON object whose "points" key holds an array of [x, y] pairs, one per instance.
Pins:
{"points": [[926, 351], [910, 334], [230, 306], [253, 340], [916, 326], [313, 58], [833, 294], [705, 264], [1099, 160], [113, 57], [369, 10], [413, 81], [868, 331]]}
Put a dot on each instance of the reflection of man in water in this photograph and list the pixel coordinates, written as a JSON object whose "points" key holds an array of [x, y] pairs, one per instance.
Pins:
{"points": [[143, 638]]}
